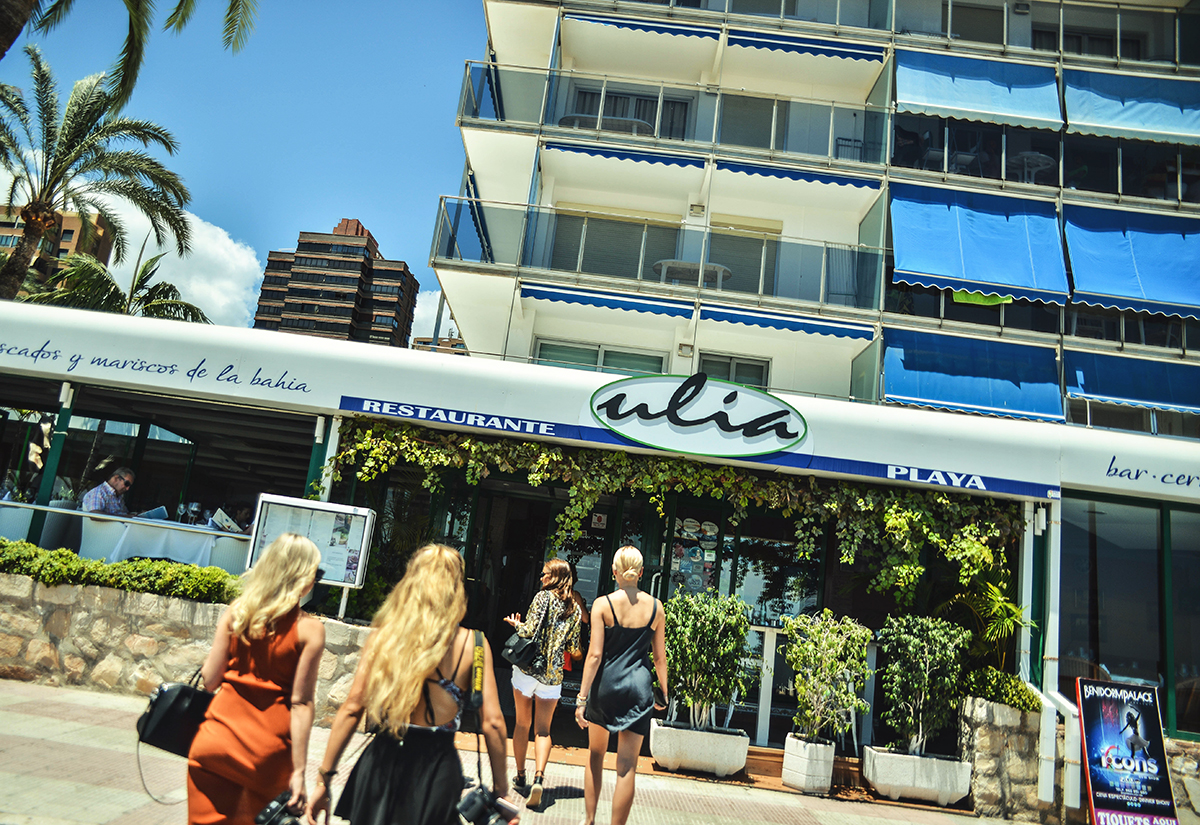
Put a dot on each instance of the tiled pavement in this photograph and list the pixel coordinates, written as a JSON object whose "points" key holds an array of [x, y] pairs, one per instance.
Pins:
{"points": [[69, 756]]}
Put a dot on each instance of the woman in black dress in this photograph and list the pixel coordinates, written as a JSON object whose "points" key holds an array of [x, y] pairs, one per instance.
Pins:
{"points": [[413, 682], [616, 694]]}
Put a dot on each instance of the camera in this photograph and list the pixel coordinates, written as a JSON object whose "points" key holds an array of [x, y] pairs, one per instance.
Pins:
{"points": [[481, 807], [277, 813]]}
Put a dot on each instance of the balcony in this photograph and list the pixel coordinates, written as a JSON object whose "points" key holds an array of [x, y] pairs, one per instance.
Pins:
{"points": [[625, 111], [594, 248]]}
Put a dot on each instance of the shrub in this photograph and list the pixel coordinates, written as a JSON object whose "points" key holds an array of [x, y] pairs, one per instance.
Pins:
{"points": [[706, 648], [920, 681], [830, 659], [163, 578], [998, 686]]}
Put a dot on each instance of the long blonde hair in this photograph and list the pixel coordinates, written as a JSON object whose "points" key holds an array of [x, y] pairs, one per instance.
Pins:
{"points": [[274, 586], [412, 632]]}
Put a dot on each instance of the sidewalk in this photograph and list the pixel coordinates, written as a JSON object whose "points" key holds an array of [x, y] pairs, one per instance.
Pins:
{"points": [[68, 756]]}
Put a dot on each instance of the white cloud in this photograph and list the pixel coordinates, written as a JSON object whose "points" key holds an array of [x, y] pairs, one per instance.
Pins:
{"points": [[221, 276], [425, 314]]}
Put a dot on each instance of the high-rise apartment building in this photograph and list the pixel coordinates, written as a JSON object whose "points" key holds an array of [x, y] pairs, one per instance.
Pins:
{"points": [[338, 285], [66, 238], [985, 208]]}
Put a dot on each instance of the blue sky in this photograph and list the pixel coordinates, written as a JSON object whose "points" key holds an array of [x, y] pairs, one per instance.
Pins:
{"points": [[331, 111]]}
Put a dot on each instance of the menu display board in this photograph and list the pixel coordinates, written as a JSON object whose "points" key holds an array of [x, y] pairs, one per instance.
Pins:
{"points": [[694, 554], [342, 533], [1123, 754]]}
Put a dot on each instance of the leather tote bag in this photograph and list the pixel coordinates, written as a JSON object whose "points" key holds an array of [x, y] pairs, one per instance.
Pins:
{"points": [[521, 651], [174, 715]]}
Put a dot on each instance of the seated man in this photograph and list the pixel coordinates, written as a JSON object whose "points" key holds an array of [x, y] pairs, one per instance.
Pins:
{"points": [[108, 497]]}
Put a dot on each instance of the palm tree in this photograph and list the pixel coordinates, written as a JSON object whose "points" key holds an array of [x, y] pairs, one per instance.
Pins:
{"points": [[69, 159], [85, 283], [15, 14]]}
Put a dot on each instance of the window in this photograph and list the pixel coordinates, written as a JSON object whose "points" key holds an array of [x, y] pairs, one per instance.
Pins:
{"points": [[269, 309], [385, 289], [385, 319], [980, 25], [329, 263], [275, 280], [68, 235], [336, 248], [630, 112], [264, 324], [747, 371], [277, 264], [598, 358]]}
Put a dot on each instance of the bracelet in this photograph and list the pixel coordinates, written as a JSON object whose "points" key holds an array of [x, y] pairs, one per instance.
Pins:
{"points": [[580, 700], [326, 774]]}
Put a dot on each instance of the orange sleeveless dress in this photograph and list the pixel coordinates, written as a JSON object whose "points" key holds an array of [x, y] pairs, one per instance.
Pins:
{"points": [[241, 758]]}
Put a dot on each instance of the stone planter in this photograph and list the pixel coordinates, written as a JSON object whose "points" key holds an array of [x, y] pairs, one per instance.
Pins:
{"points": [[721, 752], [929, 778], [807, 766]]}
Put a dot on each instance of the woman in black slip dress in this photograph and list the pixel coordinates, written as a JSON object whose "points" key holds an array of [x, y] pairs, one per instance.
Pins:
{"points": [[616, 693], [413, 682]]}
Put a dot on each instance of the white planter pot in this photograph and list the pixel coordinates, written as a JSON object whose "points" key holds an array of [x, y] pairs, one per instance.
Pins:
{"points": [[807, 766], [929, 778], [721, 752]]}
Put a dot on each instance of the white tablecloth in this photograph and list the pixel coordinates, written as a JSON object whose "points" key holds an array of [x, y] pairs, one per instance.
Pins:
{"points": [[164, 540]]}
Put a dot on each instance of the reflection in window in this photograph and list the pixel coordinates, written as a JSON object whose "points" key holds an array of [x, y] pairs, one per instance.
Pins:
{"points": [[745, 371], [1090, 163], [766, 573], [1185, 584], [1110, 593], [598, 358]]}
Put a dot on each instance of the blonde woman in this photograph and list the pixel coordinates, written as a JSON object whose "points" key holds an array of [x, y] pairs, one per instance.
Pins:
{"points": [[616, 693], [413, 682], [253, 743], [537, 688]]}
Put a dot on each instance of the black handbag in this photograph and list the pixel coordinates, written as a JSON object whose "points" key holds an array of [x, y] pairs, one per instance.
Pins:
{"points": [[174, 715], [521, 651]]}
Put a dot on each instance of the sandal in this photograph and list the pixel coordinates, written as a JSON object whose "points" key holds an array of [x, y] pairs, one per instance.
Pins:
{"points": [[535, 793], [519, 780]]}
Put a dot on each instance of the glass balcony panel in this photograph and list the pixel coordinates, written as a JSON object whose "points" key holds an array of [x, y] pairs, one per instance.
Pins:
{"points": [[1189, 35], [746, 121], [1090, 30], [768, 8], [803, 128], [735, 261], [630, 363], [565, 355], [1148, 35], [1190, 157], [1090, 163], [1149, 170], [497, 94], [612, 247], [799, 272], [975, 24], [683, 268], [1031, 155], [662, 244], [1093, 322], [568, 237]]}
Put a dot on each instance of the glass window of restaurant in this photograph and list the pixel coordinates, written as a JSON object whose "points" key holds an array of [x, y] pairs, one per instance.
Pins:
{"points": [[1120, 615]]}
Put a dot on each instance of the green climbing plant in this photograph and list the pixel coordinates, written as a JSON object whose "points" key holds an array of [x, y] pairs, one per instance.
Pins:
{"points": [[895, 531]]}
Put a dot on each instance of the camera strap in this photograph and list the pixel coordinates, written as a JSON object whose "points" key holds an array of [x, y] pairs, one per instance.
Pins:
{"points": [[475, 700]]}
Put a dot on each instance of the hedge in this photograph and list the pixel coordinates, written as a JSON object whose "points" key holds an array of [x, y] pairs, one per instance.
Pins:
{"points": [[163, 578], [1004, 688]]}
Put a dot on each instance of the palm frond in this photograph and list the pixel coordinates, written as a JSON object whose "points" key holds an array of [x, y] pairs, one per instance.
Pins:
{"points": [[51, 17], [239, 23], [129, 63], [85, 283]]}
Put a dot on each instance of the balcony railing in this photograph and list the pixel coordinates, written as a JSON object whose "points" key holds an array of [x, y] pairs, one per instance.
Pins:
{"points": [[616, 109], [602, 246], [870, 14]]}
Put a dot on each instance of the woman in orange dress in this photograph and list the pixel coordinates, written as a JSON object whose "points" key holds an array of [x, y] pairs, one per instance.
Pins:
{"points": [[253, 743]]}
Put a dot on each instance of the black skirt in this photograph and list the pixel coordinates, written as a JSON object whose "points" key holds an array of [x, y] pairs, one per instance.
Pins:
{"points": [[414, 781]]}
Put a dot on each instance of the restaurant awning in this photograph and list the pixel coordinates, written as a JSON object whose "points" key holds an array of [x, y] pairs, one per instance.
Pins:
{"points": [[968, 374], [794, 323], [1142, 107], [1134, 261], [953, 239], [609, 300], [805, 45], [1133, 382], [992, 91], [618, 154]]}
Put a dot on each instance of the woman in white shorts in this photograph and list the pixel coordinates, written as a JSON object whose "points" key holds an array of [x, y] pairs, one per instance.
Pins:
{"points": [[537, 688]]}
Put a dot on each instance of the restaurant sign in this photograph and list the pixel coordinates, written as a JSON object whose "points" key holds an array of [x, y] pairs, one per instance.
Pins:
{"points": [[698, 415]]}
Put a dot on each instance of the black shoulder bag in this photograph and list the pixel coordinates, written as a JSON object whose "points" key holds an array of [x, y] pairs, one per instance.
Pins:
{"points": [[172, 718], [521, 651]]}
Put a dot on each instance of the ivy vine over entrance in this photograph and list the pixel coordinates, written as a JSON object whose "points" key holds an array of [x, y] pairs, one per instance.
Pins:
{"points": [[890, 528]]}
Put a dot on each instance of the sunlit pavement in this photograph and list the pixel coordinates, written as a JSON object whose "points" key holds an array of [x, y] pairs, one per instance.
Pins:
{"points": [[70, 756]]}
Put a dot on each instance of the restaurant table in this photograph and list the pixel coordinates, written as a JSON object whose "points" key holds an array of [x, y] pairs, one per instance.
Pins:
{"points": [[115, 538], [688, 272]]}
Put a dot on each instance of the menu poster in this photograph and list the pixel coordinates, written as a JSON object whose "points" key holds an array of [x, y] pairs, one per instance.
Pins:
{"points": [[693, 554], [342, 533], [1123, 754]]}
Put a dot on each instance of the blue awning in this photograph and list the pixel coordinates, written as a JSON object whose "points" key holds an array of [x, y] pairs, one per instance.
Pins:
{"points": [[609, 300], [985, 376], [793, 323], [954, 239], [645, 26], [796, 174], [1131, 260], [805, 45], [967, 88], [1161, 109], [1134, 382], [617, 154]]}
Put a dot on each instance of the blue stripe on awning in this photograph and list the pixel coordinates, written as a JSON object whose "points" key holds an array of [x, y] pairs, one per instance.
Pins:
{"points": [[953, 239], [795, 174], [969, 374], [1135, 261], [1161, 109], [609, 300], [1134, 382], [787, 322], [643, 26], [617, 154], [992, 91], [805, 45]]}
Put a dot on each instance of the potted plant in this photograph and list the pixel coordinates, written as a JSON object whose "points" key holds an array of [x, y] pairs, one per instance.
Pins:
{"points": [[920, 685], [829, 656], [706, 651]]}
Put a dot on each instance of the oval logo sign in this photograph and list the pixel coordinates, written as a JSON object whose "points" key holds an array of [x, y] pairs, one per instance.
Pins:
{"points": [[698, 415]]}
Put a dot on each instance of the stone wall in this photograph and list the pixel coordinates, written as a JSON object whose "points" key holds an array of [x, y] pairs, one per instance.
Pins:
{"points": [[1002, 742], [106, 639]]}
